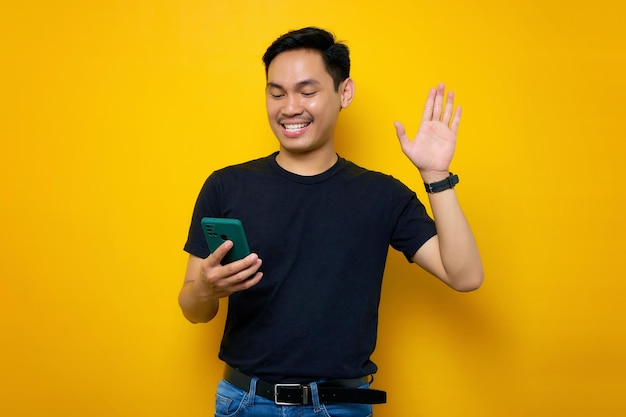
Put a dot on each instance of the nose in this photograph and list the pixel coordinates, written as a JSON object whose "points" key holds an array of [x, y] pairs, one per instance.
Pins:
{"points": [[293, 105]]}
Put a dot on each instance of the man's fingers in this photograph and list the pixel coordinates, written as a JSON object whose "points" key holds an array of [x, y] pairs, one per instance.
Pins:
{"points": [[427, 116], [456, 120], [242, 267], [447, 113], [249, 282], [218, 254], [232, 277], [400, 131], [438, 105]]}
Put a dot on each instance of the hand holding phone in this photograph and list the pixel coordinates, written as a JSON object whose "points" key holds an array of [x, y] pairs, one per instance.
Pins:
{"points": [[218, 230]]}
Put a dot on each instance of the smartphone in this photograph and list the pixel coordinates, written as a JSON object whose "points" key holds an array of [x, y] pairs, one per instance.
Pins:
{"points": [[219, 230]]}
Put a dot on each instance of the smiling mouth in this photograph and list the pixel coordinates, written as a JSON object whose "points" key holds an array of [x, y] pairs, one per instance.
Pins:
{"points": [[295, 127]]}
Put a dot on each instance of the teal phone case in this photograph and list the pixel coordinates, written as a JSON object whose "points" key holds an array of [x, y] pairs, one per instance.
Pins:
{"points": [[218, 230]]}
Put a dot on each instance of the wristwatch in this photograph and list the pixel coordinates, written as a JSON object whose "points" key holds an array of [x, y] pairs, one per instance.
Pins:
{"points": [[435, 187]]}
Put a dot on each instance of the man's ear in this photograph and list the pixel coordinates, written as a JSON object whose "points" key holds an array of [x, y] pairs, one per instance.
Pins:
{"points": [[346, 90]]}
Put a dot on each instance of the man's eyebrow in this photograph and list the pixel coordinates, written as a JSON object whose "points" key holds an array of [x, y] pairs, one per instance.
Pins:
{"points": [[274, 85], [299, 84]]}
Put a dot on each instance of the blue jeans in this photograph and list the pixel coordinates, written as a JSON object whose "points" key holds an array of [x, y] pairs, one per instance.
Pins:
{"points": [[231, 401]]}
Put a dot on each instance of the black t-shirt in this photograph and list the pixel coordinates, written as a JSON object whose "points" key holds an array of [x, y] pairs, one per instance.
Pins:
{"points": [[323, 240]]}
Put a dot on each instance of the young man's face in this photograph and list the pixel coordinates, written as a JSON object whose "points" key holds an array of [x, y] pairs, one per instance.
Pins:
{"points": [[302, 102]]}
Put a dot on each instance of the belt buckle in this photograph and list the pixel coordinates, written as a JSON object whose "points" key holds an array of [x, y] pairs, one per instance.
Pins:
{"points": [[305, 394]]}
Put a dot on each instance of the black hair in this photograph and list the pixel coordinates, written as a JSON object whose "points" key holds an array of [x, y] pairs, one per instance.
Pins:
{"points": [[336, 55]]}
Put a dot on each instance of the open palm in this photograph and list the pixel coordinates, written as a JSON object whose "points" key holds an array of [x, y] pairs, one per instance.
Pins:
{"points": [[432, 148]]}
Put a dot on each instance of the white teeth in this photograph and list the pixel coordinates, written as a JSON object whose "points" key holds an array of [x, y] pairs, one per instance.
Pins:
{"points": [[295, 127]]}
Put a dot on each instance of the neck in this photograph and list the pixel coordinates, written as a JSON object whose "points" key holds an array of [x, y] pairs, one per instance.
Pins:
{"points": [[306, 164]]}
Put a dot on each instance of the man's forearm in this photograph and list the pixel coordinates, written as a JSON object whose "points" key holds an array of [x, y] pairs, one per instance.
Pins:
{"points": [[457, 246]]}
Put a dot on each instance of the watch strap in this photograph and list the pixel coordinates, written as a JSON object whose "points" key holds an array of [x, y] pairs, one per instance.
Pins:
{"points": [[435, 187]]}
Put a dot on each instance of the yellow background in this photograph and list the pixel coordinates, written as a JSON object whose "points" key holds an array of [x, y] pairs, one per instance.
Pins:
{"points": [[113, 113]]}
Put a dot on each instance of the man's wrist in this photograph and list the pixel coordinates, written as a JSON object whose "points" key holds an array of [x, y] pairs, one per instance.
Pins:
{"points": [[445, 184], [434, 176]]}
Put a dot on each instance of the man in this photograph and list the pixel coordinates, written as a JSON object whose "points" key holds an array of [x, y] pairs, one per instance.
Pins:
{"points": [[303, 307]]}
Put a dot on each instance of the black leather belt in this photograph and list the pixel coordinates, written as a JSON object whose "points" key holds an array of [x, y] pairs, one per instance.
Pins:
{"points": [[334, 391]]}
